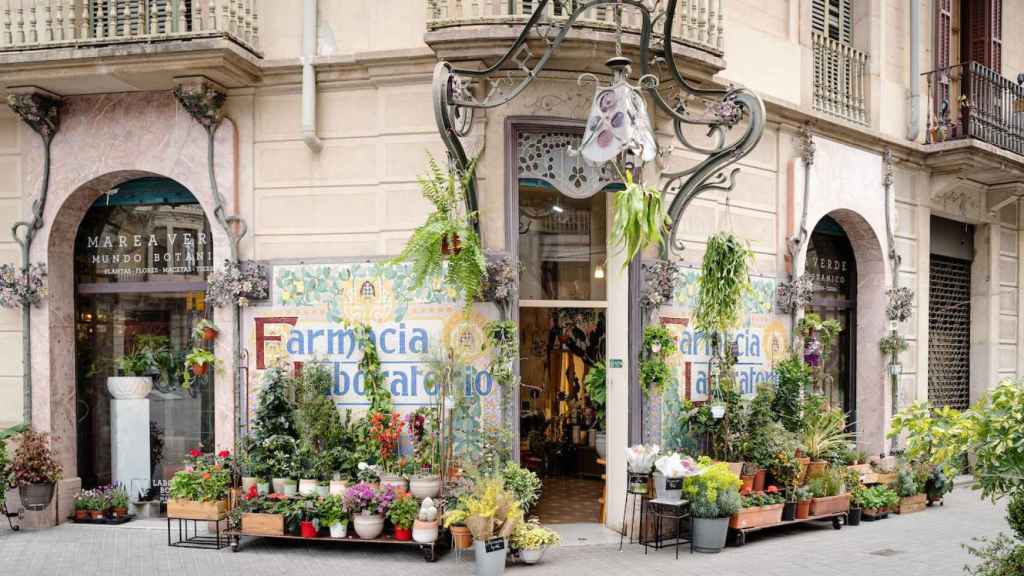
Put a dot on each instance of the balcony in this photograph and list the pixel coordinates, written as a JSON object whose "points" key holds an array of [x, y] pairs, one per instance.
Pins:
{"points": [[62, 45], [970, 101], [840, 80], [698, 32]]}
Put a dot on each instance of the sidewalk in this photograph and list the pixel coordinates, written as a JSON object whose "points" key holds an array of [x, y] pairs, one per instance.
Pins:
{"points": [[923, 544]]}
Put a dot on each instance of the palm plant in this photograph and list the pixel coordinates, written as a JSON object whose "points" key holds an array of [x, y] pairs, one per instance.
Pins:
{"points": [[824, 431], [447, 235]]}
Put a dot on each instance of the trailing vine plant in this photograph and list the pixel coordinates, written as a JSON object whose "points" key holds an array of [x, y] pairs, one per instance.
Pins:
{"points": [[723, 282], [22, 288], [503, 337], [500, 284], [447, 236], [658, 345], [640, 219], [376, 388], [900, 305], [819, 337]]}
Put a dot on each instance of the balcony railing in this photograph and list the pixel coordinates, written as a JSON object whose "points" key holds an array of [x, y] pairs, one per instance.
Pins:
{"points": [[39, 24], [840, 80], [971, 101], [698, 22]]}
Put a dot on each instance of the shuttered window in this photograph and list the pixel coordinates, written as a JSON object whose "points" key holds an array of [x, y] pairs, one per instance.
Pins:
{"points": [[943, 29], [833, 18], [982, 29]]}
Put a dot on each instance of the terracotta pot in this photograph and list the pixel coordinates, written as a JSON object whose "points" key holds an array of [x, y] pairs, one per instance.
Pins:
{"points": [[830, 505], [759, 480], [756, 516], [803, 509], [451, 247], [209, 334], [748, 483], [81, 514], [96, 514], [403, 534], [462, 538], [119, 512], [816, 468], [199, 369]]}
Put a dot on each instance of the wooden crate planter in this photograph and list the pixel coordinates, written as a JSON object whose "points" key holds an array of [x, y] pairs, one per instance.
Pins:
{"points": [[193, 510], [263, 524], [830, 505], [911, 504], [875, 513], [878, 478], [754, 517]]}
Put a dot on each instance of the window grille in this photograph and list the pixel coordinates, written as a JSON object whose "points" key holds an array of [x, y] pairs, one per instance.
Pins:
{"points": [[949, 332]]}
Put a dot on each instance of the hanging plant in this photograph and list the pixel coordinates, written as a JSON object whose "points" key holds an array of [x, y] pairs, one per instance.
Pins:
{"points": [[238, 283], [639, 218], [18, 289], [892, 345], [659, 285], [597, 391], [792, 295], [901, 304], [503, 337], [447, 236], [197, 364], [501, 282], [658, 345], [723, 282]]}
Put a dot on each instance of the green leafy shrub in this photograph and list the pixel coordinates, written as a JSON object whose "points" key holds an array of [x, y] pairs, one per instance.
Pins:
{"points": [[999, 556], [523, 483], [274, 410], [1015, 514]]}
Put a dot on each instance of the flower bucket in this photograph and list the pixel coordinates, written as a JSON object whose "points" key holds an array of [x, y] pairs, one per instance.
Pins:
{"points": [[638, 482], [668, 488], [403, 534], [368, 526], [339, 529], [490, 556], [307, 529]]}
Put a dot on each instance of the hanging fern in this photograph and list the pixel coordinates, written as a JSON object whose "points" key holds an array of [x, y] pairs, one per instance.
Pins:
{"points": [[723, 282], [445, 227], [639, 218]]}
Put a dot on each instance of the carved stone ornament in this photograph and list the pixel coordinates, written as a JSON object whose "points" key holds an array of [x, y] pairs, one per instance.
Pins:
{"points": [[202, 98], [807, 146], [38, 108]]}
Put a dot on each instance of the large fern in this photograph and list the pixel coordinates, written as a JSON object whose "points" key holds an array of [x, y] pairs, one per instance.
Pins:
{"points": [[467, 267]]}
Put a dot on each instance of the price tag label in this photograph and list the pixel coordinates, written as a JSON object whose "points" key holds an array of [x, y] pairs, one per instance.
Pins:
{"points": [[494, 544], [673, 483]]}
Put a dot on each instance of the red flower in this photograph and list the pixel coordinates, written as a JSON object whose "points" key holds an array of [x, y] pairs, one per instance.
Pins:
{"points": [[772, 489], [195, 453], [223, 454], [206, 475], [252, 493]]}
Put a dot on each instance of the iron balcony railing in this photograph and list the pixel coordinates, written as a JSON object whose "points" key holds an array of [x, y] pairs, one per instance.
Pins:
{"points": [[39, 24], [840, 79], [698, 22], [970, 100]]}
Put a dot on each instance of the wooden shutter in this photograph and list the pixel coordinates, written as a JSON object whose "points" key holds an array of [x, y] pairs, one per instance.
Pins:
{"points": [[982, 25], [943, 29], [833, 18]]}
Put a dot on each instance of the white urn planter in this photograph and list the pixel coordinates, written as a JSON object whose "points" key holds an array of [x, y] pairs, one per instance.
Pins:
{"points": [[129, 387], [425, 486], [307, 487], [424, 532], [531, 556], [368, 526], [601, 443]]}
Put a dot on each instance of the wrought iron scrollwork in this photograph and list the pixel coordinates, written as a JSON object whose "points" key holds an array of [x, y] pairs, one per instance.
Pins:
{"points": [[459, 92]]}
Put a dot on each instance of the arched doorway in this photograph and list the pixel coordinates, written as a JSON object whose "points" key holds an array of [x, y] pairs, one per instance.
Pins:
{"points": [[142, 252]]}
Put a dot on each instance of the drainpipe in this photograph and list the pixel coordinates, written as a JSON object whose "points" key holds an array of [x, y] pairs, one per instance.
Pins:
{"points": [[914, 124], [309, 10]]}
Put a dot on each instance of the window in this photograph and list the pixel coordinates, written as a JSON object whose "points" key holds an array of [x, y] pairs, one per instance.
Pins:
{"points": [[981, 38], [833, 19]]}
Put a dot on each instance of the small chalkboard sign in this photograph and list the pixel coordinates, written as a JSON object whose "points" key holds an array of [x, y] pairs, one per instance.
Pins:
{"points": [[673, 483], [494, 545]]}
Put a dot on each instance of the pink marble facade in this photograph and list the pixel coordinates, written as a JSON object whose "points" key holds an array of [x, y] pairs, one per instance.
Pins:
{"points": [[105, 140]]}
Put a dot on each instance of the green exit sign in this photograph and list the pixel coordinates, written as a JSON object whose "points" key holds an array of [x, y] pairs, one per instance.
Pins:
{"points": [[615, 362]]}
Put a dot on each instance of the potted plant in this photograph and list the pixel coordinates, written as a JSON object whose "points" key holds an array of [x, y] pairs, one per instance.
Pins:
{"points": [[876, 501], [385, 435], [402, 513], [200, 491], [368, 505], [824, 431], [262, 515], [100, 504], [308, 471], [803, 498], [424, 529], [118, 503], [305, 509], [640, 220], [912, 498], [422, 423], [939, 484], [758, 509], [455, 522], [492, 515], [447, 236], [82, 505], [856, 506], [205, 331], [522, 482], [714, 496], [598, 395], [332, 513], [35, 470], [532, 540], [670, 471], [137, 367], [639, 461], [658, 345], [827, 492], [280, 454], [197, 363]]}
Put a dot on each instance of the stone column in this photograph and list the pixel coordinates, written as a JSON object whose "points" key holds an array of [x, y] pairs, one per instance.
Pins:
{"points": [[129, 443]]}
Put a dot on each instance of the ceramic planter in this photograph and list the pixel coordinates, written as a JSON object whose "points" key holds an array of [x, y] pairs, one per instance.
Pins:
{"points": [[263, 488], [403, 534], [290, 489], [668, 488], [428, 486], [307, 529], [489, 556], [424, 532], [531, 556], [307, 486], [601, 445], [803, 509], [396, 482], [323, 490], [756, 516], [129, 387], [462, 538], [337, 487], [368, 526], [278, 484], [709, 534], [339, 529], [35, 496], [830, 505]]}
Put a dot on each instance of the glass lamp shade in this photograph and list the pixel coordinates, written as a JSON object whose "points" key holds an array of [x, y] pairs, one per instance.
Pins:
{"points": [[618, 122]]}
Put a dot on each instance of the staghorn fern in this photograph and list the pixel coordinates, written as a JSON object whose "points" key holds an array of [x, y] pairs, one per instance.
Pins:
{"points": [[467, 267], [639, 218]]}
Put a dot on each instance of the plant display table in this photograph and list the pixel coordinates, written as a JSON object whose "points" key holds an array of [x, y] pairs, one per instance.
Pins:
{"points": [[675, 511], [431, 552], [740, 534], [192, 539]]}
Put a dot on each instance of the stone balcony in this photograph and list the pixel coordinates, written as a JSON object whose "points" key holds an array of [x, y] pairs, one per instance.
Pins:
{"points": [[468, 30], [91, 46]]}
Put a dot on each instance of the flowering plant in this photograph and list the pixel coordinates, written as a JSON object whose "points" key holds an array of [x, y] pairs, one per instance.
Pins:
{"points": [[18, 288], [237, 283], [676, 466], [403, 510], [640, 458], [794, 294], [385, 432], [33, 461], [421, 424], [532, 536], [366, 499], [206, 478]]}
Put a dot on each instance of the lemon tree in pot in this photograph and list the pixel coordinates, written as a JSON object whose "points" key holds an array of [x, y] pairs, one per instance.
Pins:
{"points": [[447, 235], [35, 470], [531, 540]]}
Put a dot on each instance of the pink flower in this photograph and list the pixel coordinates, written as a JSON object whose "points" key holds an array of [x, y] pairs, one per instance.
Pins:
{"points": [[195, 453], [223, 454]]}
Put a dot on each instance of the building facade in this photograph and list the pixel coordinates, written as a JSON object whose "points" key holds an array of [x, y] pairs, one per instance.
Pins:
{"points": [[892, 155]]}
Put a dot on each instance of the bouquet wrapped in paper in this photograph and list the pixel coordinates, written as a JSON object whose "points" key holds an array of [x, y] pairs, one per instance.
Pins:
{"points": [[677, 466], [640, 458]]}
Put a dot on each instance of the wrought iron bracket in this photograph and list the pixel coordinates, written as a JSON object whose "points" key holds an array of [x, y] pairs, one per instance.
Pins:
{"points": [[459, 92]]}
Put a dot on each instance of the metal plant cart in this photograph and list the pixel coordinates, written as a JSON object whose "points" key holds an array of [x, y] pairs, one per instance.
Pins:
{"points": [[431, 552], [740, 534]]}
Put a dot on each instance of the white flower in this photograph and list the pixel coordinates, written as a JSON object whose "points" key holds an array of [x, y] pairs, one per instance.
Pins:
{"points": [[676, 466], [363, 466]]}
